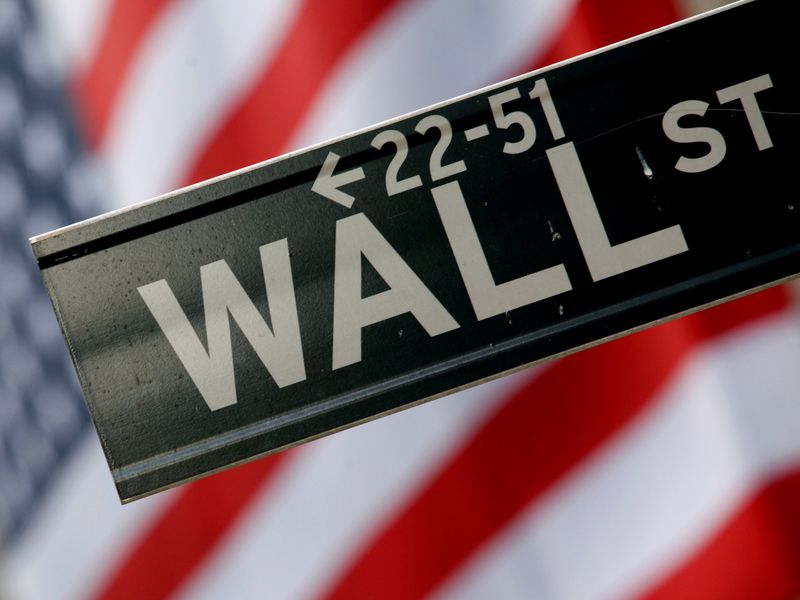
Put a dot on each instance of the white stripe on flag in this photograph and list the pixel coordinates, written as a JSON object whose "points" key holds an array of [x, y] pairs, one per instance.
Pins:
{"points": [[79, 533], [193, 65], [725, 424], [302, 530], [410, 60], [76, 26]]}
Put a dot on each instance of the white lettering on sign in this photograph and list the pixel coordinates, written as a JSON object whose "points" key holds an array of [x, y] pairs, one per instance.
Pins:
{"points": [[504, 120], [279, 349], [438, 169], [489, 299], [357, 236], [395, 185], [327, 183], [541, 92], [603, 259], [692, 135], [744, 92]]}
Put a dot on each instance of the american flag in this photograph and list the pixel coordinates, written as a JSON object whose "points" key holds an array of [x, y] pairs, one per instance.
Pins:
{"points": [[45, 180], [662, 465]]}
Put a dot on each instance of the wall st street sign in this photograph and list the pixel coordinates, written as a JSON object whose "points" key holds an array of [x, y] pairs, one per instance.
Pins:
{"points": [[361, 276]]}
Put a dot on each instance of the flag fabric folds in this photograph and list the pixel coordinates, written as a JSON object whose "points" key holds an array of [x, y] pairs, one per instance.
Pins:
{"points": [[662, 465]]}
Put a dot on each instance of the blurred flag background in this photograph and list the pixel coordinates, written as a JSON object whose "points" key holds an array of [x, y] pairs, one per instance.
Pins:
{"points": [[663, 465]]}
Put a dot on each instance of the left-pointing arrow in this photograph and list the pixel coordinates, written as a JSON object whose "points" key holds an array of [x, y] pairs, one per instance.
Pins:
{"points": [[327, 184]]}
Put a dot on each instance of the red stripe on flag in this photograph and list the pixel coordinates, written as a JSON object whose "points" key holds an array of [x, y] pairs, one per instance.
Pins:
{"points": [[756, 554], [98, 87], [598, 23], [262, 125], [542, 432], [179, 540]]}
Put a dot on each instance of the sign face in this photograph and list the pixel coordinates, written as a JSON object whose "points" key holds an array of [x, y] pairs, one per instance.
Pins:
{"points": [[358, 277]]}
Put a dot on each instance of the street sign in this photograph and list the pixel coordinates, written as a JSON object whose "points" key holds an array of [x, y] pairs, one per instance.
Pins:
{"points": [[523, 221]]}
